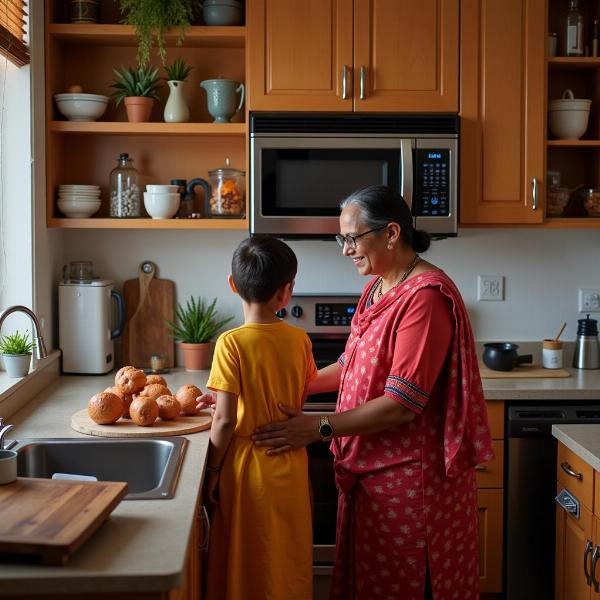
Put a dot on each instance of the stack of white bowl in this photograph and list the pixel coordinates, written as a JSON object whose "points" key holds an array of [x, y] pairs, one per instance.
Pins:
{"points": [[568, 117], [161, 201], [78, 201]]}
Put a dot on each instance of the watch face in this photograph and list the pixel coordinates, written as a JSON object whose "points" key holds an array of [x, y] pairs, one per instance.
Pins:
{"points": [[325, 430]]}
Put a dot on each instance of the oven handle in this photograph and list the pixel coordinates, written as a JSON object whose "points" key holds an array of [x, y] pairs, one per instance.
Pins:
{"points": [[406, 157]]}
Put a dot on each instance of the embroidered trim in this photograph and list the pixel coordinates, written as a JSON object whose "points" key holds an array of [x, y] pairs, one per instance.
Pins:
{"points": [[341, 360], [406, 392], [409, 384]]}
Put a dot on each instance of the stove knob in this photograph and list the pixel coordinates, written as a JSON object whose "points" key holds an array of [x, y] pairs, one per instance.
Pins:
{"points": [[281, 313], [296, 311]]}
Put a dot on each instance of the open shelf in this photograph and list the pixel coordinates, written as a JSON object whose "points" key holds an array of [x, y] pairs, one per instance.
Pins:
{"points": [[123, 35], [574, 62], [99, 223], [573, 143], [152, 128]]}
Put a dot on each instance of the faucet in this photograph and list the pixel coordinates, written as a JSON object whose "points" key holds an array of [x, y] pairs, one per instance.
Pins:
{"points": [[4, 429], [40, 345]]}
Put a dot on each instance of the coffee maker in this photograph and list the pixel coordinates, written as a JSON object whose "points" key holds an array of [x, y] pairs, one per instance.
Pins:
{"points": [[587, 351], [85, 315]]}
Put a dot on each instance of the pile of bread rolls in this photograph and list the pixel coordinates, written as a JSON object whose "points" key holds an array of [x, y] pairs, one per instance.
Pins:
{"points": [[141, 398]]}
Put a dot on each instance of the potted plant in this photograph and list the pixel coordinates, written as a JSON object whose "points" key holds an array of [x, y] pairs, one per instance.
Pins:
{"points": [[16, 351], [153, 18], [195, 327], [137, 88], [176, 110]]}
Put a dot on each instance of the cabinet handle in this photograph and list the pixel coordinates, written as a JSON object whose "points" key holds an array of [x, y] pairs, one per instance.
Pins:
{"points": [[595, 557], [345, 82], [206, 522], [588, 551], [363, 73], [566, 467], [534, 183], [480, 468]]}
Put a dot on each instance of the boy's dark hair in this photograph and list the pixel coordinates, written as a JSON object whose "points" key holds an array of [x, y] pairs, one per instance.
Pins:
{"points": [[261, 265]]}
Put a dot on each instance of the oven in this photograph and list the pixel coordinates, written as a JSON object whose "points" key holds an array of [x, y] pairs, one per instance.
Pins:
{"points": [[303, 165], [326, 319]]}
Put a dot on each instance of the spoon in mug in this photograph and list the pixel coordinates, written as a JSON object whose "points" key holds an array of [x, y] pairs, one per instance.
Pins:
{"points": [[560, 332]]}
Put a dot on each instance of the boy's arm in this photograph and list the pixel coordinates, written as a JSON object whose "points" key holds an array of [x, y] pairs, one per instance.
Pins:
{"points": [[222, 428]]}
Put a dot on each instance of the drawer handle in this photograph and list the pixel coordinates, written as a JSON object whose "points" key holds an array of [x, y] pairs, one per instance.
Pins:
{"points": [[480, 468], [595, 557], [587, 552], [566, 467], [206, 521]]}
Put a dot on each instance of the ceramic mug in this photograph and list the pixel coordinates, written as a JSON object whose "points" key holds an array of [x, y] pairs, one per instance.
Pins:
{"points": [[8, 466]]}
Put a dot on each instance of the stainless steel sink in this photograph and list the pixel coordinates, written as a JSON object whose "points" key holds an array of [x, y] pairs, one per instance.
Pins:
{"points": [[150, 466]]}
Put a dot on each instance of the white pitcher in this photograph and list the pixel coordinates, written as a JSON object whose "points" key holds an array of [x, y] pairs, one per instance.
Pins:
{"points": [[176, 110]]}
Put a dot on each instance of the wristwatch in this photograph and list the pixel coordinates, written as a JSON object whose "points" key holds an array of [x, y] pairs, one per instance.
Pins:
{"points": [[325, 429]]}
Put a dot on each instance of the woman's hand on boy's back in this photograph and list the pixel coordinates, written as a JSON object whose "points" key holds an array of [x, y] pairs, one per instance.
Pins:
{"points": [[208, 400]]}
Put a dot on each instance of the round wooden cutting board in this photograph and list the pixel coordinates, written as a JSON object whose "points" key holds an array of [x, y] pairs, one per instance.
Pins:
{"points": [[81, 422]]}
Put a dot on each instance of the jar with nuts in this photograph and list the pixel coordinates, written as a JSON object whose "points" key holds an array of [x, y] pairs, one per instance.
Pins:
{"points": [[228, 192], [591, 201], [125, 196]]}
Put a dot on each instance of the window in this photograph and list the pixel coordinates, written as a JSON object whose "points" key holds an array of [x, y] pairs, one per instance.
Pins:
{"points": [[13, 31]]}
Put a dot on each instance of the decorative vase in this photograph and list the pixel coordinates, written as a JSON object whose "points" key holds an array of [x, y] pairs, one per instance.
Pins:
{"points": [[197, 357], [138, 108], [176, 109], [220, 95], [17, 365]]}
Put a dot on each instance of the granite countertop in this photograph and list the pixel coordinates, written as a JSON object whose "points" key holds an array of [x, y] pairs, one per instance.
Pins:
{"points": [[583, 440], [143, 544]]}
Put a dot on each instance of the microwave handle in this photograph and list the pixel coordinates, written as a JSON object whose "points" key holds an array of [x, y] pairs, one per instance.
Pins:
{"points": [[406, 157]]}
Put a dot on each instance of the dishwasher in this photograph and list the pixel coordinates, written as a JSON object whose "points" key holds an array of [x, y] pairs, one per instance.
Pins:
{"points": [[530, 490]]}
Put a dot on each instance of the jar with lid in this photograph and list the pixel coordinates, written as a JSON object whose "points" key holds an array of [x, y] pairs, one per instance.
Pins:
{"points": [[125, 190], [557, 197], [591, 201], [228, 192]]}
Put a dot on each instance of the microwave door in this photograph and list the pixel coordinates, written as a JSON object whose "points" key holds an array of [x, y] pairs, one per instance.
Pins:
{"points": [[298, 182]]}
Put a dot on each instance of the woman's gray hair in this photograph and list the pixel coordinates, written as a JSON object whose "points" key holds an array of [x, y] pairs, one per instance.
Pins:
{"points": [[380, 205]]}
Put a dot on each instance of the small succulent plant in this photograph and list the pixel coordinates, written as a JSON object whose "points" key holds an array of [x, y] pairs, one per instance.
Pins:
{"points": [[142, 81], [196, 323], [179, 70], [16, 343]]}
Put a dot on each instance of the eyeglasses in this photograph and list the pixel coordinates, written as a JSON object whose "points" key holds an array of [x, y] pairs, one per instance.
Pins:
{"points": [[350, 240]]}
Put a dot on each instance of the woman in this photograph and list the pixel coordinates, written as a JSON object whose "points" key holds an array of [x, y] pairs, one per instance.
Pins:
{"points": [[410, 422]]}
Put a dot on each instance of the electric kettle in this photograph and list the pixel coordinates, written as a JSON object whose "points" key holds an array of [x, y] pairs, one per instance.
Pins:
{"points": [[587, 351]]}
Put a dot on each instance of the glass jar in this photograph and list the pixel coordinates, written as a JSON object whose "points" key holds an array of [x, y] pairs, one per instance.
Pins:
{"points": [[591, 201], [228, 192], [557, 197], [124, 190]]}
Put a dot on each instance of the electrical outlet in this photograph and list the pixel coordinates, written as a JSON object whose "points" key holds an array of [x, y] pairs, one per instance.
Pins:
{"points": [[490, 287], [589, 300]]}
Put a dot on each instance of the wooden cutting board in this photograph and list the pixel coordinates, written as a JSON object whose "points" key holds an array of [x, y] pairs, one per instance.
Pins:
{"points": [[81, 422], [146, 332], [52, 518], [522, 372]]}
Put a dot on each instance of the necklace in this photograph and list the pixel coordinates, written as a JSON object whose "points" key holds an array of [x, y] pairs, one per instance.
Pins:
{"points": [[409, 270]]}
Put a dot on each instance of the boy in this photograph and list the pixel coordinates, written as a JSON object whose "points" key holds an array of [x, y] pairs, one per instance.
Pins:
{"points": [[261, 535]]}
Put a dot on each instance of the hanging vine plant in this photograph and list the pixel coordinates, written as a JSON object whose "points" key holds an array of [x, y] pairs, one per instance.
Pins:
{"points": [[151, 19]]}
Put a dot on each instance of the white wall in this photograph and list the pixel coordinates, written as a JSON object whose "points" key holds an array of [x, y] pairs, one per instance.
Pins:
{"points": [[543, 270]]}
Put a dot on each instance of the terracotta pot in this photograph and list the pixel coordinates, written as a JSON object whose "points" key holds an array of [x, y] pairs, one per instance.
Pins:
{"points": [[138, 108], [197, 357]]}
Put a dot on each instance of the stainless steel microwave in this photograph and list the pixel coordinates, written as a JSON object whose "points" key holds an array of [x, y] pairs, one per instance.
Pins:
{"points": [[303, 165]]}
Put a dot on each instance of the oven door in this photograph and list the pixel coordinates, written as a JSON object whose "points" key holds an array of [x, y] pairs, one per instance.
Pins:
{"points": [[297, 182]]}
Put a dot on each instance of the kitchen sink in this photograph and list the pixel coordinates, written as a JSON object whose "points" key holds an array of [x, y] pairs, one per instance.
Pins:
{"points": [[149, 466]]}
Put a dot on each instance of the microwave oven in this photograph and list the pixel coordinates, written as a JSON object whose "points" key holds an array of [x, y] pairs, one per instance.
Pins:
{"points": [[303, 165]]}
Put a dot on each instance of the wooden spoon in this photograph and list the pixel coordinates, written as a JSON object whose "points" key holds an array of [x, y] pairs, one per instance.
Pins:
{"points": [[560, 332]]}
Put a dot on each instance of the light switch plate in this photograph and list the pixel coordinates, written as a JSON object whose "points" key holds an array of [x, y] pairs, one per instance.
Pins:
{"points": [[589, 300], [490, 287]]}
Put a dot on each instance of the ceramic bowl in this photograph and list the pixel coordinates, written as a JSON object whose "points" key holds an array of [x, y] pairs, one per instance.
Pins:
{"points": [[222, 12], [568, 124], [78, 210], [161, 206], [81, 107], [162, 189]]}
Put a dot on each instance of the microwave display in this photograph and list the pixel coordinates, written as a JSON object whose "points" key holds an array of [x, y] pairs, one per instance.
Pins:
{"points": [[294, 180]]}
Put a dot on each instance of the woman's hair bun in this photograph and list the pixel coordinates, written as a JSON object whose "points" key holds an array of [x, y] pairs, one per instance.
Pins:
{"points": [[421, 240]]}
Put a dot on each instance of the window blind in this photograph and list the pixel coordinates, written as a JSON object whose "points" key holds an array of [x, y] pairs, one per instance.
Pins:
{"points": [[12, 30]]}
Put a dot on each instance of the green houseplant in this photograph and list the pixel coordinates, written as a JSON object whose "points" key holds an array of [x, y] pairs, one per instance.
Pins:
{"points": [[176, 110], [137, 89], [151, 19], [195, 327], [16, 352]]}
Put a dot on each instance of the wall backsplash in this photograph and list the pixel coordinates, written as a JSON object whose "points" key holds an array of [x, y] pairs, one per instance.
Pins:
{"points": [[543, 270]]}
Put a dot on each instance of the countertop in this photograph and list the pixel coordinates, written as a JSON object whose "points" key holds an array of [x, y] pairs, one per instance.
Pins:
{"points": [[583, 440], [143, 544]]}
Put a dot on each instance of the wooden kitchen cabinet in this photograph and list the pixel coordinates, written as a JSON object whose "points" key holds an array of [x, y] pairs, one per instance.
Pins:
{"points": [[502, 108], [86, 152], [353, 55]]}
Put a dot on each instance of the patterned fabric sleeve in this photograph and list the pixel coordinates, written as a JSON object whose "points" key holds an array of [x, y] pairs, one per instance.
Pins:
{"points": [[422, 343], [225, 371]]}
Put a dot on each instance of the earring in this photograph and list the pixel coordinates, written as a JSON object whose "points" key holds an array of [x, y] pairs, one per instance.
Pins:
{"points": [[390, 246]]}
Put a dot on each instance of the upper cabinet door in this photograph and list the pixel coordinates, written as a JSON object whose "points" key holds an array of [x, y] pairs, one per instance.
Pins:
{"points": [[406, 55], [299, 53], [502, 100]]}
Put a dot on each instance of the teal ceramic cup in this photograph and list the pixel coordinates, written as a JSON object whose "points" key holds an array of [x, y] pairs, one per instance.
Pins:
{"points": [[221, 97]]}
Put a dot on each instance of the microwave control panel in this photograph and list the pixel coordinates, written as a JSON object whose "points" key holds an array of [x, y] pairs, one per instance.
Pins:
{"points": [[432, 185]]}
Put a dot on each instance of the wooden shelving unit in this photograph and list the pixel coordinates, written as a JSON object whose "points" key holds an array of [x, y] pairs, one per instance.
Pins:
{"points": [[101, 223], [574, 62], [126, 128]]}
